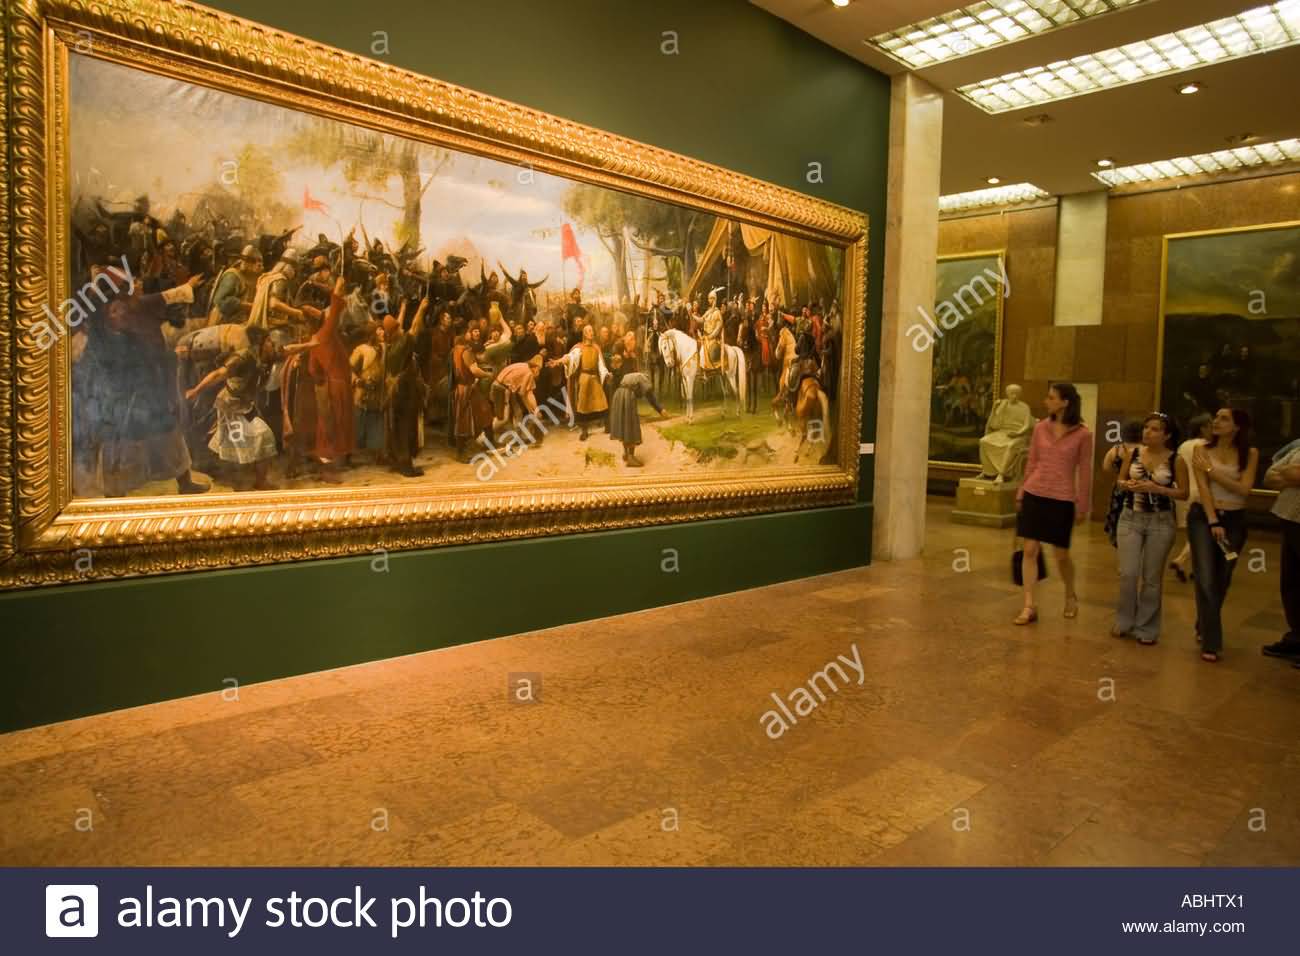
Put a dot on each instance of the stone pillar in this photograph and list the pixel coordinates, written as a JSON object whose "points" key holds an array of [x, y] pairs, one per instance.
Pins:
{"points": [[1099, 351], [1080, 258], [911, 251]]}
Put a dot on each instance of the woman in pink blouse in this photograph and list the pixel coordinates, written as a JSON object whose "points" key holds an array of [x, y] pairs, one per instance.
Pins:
{"points": [[1056, 493]]}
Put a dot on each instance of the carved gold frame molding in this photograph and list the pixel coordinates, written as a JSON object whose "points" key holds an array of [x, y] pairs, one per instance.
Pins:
{"points": [[48, 538]]}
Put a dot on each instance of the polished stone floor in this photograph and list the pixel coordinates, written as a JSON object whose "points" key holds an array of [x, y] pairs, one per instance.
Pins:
{"points": [[966, 741]]}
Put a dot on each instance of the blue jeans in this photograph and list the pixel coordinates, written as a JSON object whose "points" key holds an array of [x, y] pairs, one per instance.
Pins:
{"points": [[1143, 541], [1213, 570]]}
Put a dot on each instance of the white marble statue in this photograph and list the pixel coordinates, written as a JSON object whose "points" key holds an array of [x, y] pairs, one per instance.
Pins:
{"points": [[1006, 438]]}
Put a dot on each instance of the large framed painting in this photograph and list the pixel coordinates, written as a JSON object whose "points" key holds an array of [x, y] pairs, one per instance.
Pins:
{"points": [[1230, 328], [269, 301], [965, 330]]}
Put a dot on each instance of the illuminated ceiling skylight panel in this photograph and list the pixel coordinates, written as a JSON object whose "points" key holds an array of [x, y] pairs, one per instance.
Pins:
{"points": [[995, 196], [1017, 94], [1054, 85], [1008, 29], [1234, 39], [1277, 152], [1219, 161], [1181, 56], [973, 27], [1130, 68], [1227, 159], [1254, 31], [1028, 87], [1268, 26], [1029, 20]]}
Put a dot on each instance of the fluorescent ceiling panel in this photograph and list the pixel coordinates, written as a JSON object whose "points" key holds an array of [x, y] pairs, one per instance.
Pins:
{"points": [[976, 27], [994, 196], [1222, 161], [1258, 30]]}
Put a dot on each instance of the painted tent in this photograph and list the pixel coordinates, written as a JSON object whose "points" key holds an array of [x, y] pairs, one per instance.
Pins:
{"points": [[797, 271]]}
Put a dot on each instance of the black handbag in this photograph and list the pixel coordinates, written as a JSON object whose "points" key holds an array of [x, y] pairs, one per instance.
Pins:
{"points": [[1117, 497], [1018, 567]]}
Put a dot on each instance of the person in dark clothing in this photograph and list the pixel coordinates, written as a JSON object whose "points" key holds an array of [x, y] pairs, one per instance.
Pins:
{"points": [[747, 340], [575, 316], [625, 417], [128, 405], [1202, 392]]}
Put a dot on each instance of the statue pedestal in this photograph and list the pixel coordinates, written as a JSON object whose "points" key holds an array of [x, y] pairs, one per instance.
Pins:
{"points": [[985, 503]]}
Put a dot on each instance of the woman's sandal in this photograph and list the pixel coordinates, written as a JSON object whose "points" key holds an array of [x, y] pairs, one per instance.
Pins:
{"points": [[1028, 615], [1210, 657], [1071, 608]]}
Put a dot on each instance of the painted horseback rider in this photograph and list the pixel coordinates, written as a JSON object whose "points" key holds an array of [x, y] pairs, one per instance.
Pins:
{"points": [[710, 336], [657, 321], [523, 298]]}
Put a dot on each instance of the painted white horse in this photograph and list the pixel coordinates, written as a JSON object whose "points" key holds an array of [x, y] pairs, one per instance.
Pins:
{"points": [[682, 353]]}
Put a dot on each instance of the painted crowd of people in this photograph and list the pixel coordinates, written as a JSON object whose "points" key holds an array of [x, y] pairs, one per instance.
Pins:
{"points": [[225, 358]]}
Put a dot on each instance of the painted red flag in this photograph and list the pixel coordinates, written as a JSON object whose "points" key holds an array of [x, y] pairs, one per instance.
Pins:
{"points": [[314, 204], [569, 250]]}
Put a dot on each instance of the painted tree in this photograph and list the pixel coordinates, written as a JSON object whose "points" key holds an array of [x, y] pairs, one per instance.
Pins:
{"points": [[369, 161], [658, 229], [676, 235], [607, 213], [257, 187]]}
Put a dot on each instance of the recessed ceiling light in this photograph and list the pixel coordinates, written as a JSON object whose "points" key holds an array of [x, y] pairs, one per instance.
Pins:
{"points": [[1187, 89], [983, 25], [1105, 163], [999, 196], [993, 181], [1259, 30], [839, 3], [1220, 161]]}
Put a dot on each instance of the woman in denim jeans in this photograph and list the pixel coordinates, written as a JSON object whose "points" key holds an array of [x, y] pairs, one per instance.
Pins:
{"points": [[1224, 468], [1152, 477]]}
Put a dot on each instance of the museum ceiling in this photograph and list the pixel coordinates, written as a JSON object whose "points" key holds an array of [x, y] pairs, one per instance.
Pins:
{"points": [[1138, 122]]}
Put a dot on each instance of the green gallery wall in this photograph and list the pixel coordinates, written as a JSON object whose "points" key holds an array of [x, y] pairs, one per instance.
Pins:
{"points": [[746, 91]]}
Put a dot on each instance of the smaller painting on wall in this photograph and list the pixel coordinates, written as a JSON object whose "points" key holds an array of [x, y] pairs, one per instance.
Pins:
{"points": [[1230, 329], [966, 334]]}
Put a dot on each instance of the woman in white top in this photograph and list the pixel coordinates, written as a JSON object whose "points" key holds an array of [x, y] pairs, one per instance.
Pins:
{"points": [[1224, 469], [1153, 481]]}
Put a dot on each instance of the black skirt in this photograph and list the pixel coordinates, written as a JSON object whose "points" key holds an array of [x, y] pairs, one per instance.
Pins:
{"points": [[1045, 519]]}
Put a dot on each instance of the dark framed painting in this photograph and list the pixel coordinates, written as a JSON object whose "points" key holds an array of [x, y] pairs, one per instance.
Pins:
{"points": [[964, 332], [1230, 329]]}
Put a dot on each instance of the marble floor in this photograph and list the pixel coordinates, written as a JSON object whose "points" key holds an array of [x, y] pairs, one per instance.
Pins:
{"points": [[966, 741]]}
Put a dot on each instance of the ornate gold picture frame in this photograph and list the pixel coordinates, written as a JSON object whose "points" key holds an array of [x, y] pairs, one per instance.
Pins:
{"points": [[50, 535], [969, 289], [1226, 332]]}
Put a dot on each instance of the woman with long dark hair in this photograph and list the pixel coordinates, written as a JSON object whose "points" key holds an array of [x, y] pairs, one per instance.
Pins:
{"points": [[1198, 431], [1114, 464], [1152, 479], [1056, 493], [1225, 469]]}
